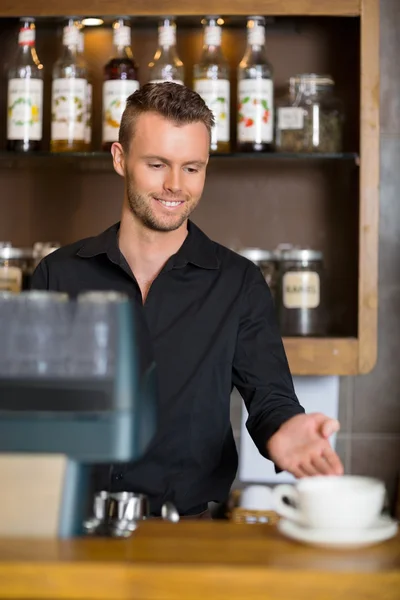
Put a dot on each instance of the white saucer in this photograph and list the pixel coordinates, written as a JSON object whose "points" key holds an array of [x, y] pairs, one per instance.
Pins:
{"points": [[382, 530]]}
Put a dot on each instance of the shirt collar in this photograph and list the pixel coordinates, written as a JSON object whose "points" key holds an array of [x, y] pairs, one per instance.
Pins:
{"points": [[197, 249], [104, 243]]}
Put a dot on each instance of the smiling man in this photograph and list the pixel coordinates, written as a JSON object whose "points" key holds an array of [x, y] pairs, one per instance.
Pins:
{"points": [[209, 312]]}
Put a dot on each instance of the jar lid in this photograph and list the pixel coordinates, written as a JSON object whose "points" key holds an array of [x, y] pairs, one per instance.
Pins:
{"points": [[43, 249], [303, 254], [312, 78], [282, 248], [257, 255], [9, 252], [42, 296]]}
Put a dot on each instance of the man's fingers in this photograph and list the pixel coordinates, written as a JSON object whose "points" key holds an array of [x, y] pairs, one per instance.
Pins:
{"points": [[298, 473], [307, 469], [333, 461], [322, 466], [329, 427]]}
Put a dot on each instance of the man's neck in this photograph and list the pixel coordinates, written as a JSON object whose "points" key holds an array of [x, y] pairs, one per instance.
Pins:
{"points": [[147, 251]]}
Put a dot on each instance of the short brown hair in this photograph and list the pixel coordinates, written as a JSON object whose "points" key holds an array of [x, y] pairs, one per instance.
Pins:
{"points": [[173, 101]]}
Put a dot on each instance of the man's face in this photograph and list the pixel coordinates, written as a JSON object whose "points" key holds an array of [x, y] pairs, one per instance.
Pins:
{"points": [[164, 170]]}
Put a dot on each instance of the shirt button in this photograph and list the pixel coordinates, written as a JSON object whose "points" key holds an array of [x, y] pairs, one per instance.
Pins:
{"points": [[118, 476]]}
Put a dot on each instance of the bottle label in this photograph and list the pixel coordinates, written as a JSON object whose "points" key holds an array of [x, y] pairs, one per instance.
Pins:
{"points": [[290, 118], [115, 94], [256, 117], [26, 36], [216, 94], [256, 35], [178, 81], [68, 109], [167, 35], [122, 35], [301, 289], [212, 35], [88, 123], [71, 36], [10, 279], [25, 109]]}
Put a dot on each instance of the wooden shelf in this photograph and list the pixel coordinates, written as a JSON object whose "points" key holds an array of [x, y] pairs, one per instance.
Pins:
{"points": [[322, 356], [101, 161], [346, 8]]}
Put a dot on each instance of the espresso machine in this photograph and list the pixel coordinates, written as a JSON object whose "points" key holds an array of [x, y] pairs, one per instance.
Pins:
{"points": [[91, 419]]}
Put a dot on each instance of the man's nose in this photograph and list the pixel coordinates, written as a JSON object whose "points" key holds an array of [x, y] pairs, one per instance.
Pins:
{"points": [[172, 181]]}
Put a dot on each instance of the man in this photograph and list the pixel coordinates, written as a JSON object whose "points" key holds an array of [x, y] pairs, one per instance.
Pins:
{"points": [[209, 312]]}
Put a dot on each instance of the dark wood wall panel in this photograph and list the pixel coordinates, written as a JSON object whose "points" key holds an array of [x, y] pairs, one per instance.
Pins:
{"points": [[245, 203]]}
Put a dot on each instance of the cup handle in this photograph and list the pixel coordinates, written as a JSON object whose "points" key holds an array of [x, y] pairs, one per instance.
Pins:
{"points": [[282, 491]]}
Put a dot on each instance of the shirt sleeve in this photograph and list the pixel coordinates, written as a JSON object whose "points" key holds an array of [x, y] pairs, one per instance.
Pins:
{"points": [[260, 368], [40, 277]]}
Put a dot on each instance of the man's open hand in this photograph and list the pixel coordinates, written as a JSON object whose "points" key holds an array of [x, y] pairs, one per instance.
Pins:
{"points": [[301, 446]]}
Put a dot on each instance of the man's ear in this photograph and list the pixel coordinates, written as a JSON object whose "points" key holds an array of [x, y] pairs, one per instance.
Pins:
{"points": [[118, 158]]}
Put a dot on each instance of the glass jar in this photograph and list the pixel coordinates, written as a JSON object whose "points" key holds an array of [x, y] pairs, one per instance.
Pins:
{"points": [[16, 268], [266, 261], [301, 294], [310, 117], [43, 249]]}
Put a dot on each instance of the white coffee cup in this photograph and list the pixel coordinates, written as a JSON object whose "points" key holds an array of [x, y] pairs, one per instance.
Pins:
{"points": [[327, 502], [256, 497]]}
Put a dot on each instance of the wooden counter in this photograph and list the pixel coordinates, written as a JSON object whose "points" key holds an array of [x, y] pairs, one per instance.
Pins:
{"points": [[193, 561]]}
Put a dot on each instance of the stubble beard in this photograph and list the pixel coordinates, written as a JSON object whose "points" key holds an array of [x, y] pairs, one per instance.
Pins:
{"points": [[140, 207]]}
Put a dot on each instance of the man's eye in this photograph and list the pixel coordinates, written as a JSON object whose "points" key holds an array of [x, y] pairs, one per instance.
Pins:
{"points": [[191, 170], [156, 166]]}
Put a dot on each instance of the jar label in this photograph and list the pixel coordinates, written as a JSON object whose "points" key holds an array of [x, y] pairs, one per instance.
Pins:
{"points": [[216, 94], [25, 109], [301, 289], [68, 109], [255, 117], [290, 118], [115, 94], [10, 279]]}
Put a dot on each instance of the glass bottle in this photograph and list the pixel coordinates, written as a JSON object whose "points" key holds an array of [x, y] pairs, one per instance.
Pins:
{"points": [[255, 92], [120, 81], [25, 94], [211, 82], [166, 64], [69, 95], [89, 96]]}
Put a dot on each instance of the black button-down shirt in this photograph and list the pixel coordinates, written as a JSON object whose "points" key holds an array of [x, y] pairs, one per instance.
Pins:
{"points": [[212, 323]]}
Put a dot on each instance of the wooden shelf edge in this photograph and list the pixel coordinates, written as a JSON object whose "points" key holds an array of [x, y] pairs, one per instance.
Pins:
{"points": [[44, 8], [369, 188], [322, 356]]}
